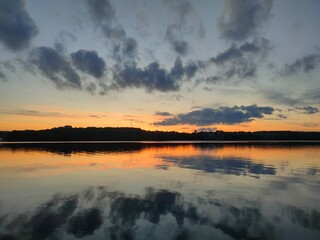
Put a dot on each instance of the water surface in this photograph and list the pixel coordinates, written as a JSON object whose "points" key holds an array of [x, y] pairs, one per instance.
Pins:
{"points": [[160, 191]]}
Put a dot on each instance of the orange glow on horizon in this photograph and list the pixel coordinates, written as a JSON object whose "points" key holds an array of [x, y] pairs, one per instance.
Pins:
{"points": [[143, 121]]}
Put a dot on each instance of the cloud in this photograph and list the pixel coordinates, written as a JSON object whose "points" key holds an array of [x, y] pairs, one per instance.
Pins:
{"points": [[63, 38], [89, 62], [153, 77], [54, 66], [103, 14], [17, 28], [163, 114], [313, 94], [281, 116], [281, 97], [3, 76], [310, 124], [242, 19], [114, 33], [308, 97], [102, 11], [307, 110], [27, 112], [125, 49], [130, 47], [183, 8], [6, 67], [240, 61], [305, 64], [181, 47], [222, 115]]}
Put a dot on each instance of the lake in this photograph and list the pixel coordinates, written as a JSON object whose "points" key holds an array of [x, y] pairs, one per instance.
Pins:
{"points": [[160, 190]]}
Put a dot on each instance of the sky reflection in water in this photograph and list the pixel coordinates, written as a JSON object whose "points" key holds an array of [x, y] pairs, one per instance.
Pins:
{"points": [[159, 191]]}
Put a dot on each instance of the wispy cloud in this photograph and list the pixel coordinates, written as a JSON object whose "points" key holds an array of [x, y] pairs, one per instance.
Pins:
{"points": [[242, 19], [306, 110], [240, 61], [163, 114], [304, 64]]}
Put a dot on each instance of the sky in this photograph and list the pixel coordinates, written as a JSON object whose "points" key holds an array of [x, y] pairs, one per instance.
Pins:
{"points": [[181, 65]]}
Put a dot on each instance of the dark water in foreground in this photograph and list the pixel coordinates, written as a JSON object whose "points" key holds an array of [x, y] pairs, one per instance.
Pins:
{"points": [[159, 191]]}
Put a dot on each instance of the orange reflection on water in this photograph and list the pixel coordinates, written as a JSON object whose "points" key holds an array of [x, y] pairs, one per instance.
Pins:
{"points": [[33, 162], [40, 163]]}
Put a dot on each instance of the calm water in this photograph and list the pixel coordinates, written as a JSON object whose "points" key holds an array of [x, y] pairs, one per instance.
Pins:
{"points": [[159, 191]]}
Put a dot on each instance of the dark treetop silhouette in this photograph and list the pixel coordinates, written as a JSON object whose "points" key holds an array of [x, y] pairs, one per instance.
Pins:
{"points": [[69, 133]]}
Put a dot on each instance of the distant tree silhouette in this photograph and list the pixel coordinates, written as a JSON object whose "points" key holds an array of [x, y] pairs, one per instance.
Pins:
{"points": [[68, 133]]}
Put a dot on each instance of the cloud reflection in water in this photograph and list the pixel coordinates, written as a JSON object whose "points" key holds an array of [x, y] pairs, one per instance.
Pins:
{"points": [[172, 200]]}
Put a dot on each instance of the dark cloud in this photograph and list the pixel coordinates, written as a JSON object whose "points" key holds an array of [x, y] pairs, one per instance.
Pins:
{"points": [[104, 15], [181, 47], [3, 76], [177, 70], [281, 116], [222, 115], [182, 9], [17, 28], [164, 114], [102, 11], [192, 67], [130, 47], [240, 61], [305, 64], [54, 66], [307, 110], [114, 33], [89, 62], [241, 19], [189, 70], [153, 77], [259, 46]]}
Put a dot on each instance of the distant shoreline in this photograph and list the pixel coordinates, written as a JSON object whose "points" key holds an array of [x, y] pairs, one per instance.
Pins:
{"points": [[165, 143], [108, 134]]}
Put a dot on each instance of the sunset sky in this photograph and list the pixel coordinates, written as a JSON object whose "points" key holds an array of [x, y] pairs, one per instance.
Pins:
{"points": [[183, 65]]}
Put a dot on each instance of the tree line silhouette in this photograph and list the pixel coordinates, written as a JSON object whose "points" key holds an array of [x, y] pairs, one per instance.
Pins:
{"points": [[68, 133]]}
